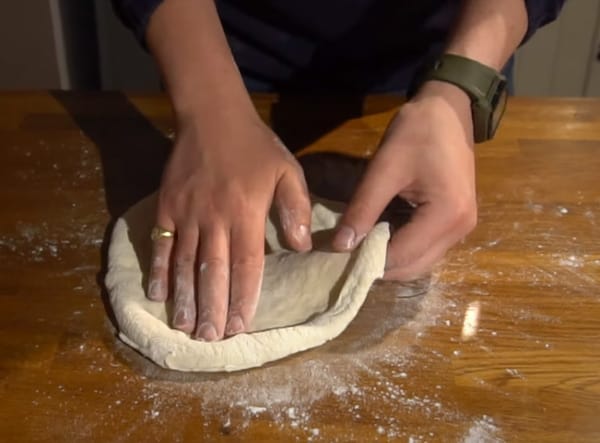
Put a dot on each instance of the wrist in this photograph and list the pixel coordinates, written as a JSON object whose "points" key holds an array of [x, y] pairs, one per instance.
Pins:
{"points": [[443, 98], [444, 90], [446, 94], [484, 86], [212, 109], [206, 94]]}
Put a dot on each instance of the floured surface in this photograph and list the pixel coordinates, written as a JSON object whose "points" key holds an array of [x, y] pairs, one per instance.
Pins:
{"points": [[306, 299], [399, 372], [291, 395]]}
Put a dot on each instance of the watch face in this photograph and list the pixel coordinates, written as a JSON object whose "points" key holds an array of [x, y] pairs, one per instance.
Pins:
{"points": [[498, 106]]}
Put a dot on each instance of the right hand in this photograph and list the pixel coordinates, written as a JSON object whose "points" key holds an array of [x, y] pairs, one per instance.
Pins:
{"points": [[223, 175]]}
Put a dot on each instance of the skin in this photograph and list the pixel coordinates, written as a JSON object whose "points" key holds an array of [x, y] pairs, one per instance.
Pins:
{"points": [[227, 168]]}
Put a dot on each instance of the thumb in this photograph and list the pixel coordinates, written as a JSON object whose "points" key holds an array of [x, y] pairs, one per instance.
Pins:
{"points": [[293, 206], [377, 188]]}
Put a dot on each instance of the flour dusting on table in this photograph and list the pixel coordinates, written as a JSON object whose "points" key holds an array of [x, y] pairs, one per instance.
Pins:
{"points": [[289, 395]]}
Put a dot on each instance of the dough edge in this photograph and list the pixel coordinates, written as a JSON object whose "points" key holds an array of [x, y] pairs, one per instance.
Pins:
{"points": [[173, 349]]}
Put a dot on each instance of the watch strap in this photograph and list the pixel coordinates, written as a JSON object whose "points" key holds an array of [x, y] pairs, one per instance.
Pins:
{"points": [[476, 79]]}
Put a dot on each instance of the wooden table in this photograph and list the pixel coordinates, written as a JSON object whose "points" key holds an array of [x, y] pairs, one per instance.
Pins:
{"points": [[505, 346]]}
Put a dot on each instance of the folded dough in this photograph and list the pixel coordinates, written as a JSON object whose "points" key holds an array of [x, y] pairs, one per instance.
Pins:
{"points": [[306, 298]]}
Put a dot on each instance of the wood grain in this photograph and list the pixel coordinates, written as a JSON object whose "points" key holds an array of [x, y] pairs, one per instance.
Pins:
{"points": [[406, 370]]}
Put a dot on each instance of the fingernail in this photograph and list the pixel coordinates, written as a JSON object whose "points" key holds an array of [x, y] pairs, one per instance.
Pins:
{"points": [[155, 290], [235, 325], [303, 236], [207, 332], [345, 238], [182, 319]]}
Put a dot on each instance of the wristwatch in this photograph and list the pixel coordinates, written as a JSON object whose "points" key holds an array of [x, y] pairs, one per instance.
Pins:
{"points": [[484, 85]]}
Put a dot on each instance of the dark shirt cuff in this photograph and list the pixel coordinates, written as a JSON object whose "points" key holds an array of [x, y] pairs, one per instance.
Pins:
{"points": [[540, 13], [135, 14]]}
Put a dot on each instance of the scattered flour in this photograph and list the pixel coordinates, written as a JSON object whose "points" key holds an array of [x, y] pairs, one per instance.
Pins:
{"points": [[572, 261], [483, 430], [37, 240], [289, 394]]}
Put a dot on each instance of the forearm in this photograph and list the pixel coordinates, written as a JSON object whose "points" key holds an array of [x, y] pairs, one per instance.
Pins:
{"points": [[190, 48], [489, 31]]}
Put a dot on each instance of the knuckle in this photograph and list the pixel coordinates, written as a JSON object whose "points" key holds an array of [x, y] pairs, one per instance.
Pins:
{"points": [[159, 261], [297, 169], [232, 190], [184, 262], [236, 203], [465, 214], [179, 205], [249, 262], [158, 271], [468, 219], [168, 202], [471, 221], [213, 263]]}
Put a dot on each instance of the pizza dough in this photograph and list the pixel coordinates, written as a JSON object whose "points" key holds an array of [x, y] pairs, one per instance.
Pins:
{"points": [[306, 298]]}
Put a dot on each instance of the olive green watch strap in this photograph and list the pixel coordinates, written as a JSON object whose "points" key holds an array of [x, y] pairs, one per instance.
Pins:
{"points": [[476, 79], [484, 86]]}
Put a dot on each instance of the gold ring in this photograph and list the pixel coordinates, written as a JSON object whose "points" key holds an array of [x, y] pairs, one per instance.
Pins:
{"points": [[158, 232]]}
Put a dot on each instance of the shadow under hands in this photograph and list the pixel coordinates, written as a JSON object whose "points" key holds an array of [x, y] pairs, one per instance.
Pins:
{"points": [[336, 177], [301, 119], [132, 151]]}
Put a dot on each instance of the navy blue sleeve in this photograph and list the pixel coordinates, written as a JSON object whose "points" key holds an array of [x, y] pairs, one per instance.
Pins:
{"points": [[541, 12], [135, 14]]}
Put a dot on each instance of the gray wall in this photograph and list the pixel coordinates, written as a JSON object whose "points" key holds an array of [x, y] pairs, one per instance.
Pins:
{"points": [[69, 44], [29, 56], [80, 43], [123, 64], [561, 58]]}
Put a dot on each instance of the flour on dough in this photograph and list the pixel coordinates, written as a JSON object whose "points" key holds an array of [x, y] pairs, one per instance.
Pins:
{"points": [[306, 298]]}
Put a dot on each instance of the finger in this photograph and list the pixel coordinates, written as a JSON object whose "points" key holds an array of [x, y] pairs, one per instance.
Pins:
{"points": [[247, 262], [184, 306], [419, 244], [419, 268], [213, 284], [379, 185], [293, 205], [158, 278]]}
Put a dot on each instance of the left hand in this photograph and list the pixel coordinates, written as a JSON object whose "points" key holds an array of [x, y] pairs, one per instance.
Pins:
{"points": [[425, 157]]}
